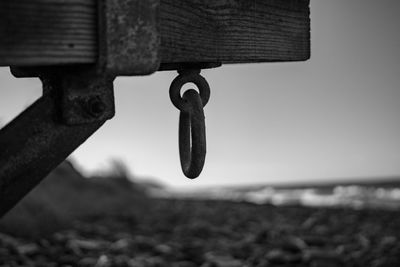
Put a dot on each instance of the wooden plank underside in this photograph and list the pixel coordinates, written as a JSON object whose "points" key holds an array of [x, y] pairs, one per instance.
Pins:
{"points": [[57, 32], [238, 31]]}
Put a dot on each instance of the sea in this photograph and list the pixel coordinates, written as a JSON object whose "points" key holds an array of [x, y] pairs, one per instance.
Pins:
{"points": [[359, 194]]}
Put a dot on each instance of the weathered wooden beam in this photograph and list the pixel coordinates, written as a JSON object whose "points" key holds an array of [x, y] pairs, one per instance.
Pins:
{"points": [[47, 32], [238, 31], [58, 32]]}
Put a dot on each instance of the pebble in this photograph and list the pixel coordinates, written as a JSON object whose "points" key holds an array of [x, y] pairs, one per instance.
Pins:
{"points": [[324, 263], [67, 259], [294, 244], [120, 245], [3, 252], [315, 240], [88, 261], [163, 249], [319, 254], [144, 243], [8, 241], [184, 264], [103, 261], [309, 223], [87, 244], [28, 249], [120, 261], [221, 260], [278, 256], [388, 241], [136, 263], [363, 241]]}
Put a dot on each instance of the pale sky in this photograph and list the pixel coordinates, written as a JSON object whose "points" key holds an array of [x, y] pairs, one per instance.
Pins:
{"points": [[336, 115]]}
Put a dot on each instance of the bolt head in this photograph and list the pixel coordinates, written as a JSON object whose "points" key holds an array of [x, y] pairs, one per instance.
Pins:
{"points": [[96, 107]]}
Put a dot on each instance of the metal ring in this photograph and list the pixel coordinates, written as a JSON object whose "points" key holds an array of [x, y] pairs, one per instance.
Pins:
{"points": [[191, 76], [192, 135]]}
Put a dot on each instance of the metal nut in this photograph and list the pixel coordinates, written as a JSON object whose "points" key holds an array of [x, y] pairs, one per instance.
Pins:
{"points": [[96, 107]]}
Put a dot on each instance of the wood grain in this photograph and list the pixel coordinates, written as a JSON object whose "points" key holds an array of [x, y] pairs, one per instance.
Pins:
{"points": [[235, 31], [58, 32], [47, 32]]}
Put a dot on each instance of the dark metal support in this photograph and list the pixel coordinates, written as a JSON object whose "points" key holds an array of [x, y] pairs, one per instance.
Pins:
{"points": [[38, 140]]}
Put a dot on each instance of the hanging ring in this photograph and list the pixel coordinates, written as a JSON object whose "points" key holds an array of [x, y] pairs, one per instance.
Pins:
{"points": [[188, 76], [192, 135]]}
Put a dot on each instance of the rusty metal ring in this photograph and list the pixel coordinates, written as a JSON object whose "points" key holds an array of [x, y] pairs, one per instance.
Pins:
{"points": [[188, 76], [192, 135]]}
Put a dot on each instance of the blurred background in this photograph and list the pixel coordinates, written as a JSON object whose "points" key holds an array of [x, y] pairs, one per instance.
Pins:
{"points": [[302, 169]]}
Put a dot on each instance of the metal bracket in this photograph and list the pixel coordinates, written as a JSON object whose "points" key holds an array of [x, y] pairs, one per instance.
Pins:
{"points": [[128, 37], [85, 94], [35, 142], [86, 97]]}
